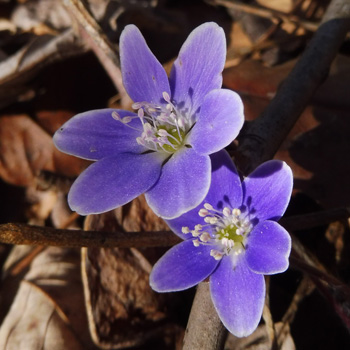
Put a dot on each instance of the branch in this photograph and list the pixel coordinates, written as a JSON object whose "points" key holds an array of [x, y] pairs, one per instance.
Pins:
{"points": [[46, 236], [20, 234], [262, 137]]}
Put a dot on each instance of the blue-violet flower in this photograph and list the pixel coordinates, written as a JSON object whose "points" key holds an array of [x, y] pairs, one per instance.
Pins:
{"points": [[233, 237], [163, 149]]}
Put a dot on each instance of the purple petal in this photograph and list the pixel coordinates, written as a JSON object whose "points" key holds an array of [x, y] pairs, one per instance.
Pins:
{"points": [[182, 267], [115, 181], [198, 67], [144, 78], [267, 190], [183, 184], [268, 248], [219, 122], [95, 134], [225, 190], [238, 295]]}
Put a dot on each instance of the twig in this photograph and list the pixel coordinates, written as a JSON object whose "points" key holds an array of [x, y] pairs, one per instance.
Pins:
{"points": [[209, 332], [46, 236], [13, 233], [99, 43], [263, 12], [262, 138]]}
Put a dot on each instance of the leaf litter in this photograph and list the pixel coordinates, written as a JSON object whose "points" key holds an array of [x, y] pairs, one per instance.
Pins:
{"points": [[45, 296]]}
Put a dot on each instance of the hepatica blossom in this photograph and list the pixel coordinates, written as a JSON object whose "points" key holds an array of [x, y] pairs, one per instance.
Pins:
{"points": [[163, 148], [233, 237]]}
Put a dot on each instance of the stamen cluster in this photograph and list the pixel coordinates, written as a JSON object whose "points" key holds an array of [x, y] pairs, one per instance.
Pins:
{"points": [[163, 128], [228, 230]]}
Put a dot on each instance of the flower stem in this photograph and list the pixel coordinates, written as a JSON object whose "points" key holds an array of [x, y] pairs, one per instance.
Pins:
{"points": [[204, 328]]}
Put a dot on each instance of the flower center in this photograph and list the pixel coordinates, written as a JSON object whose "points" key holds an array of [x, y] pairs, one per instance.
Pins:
{"points": [[229, 230], [164, 130]]}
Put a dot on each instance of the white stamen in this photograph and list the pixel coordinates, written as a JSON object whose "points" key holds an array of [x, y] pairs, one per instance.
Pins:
{"points": [[126, 120], [208, 206], [162, 132], [195, 233], [236, 212], [226, 212], [205, 237], [141, 113], [166, 96], [213, 220], [116, 116], [203, 212], [207, 219], [185, 230], [196, 242], [216, 254], [240, 231]]}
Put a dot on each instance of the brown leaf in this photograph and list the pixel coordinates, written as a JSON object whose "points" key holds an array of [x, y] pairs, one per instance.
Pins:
{"points": [[259, 340], [123, 310], [26, 149], [48, 310]]}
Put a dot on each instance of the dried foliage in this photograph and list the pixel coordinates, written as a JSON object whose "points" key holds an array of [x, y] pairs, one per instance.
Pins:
{"points": [[59, 58]]}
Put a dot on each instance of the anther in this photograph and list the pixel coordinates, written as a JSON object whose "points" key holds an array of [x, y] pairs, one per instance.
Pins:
{"points": [[205, 237], [236, 212], [208, 206], [196, 242], [226, 212], [216, 254], [185, 230], [203, 212]]}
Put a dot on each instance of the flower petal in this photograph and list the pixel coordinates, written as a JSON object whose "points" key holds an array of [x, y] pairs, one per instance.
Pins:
{"points": [[182, 267], [268, 248], [95, 134], [225, 190], [115, 181], [238, 295], [267, 190], [198, 67], [219, 122], [183, 184], [144, 78]]}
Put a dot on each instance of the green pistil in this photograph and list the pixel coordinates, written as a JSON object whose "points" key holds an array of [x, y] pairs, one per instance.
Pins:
{"points": [[230, 232], [177, 142]]}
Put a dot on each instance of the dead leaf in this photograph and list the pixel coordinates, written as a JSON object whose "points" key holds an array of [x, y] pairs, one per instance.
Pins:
{"points": [[123, 310], [26, 149], [259, 340], [48, 310]]}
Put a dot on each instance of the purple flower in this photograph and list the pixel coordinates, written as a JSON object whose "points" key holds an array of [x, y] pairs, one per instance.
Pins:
{"points": [[163, 149], [233, 237]]}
